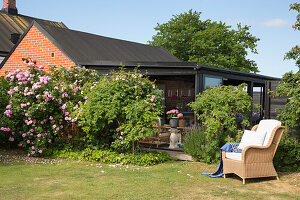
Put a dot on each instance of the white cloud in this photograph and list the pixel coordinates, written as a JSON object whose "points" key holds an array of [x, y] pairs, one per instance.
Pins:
{"points": [[277, 22]]}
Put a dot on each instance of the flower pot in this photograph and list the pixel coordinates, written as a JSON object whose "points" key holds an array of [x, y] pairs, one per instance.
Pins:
{"points": [[181, 122], [174, 122]]}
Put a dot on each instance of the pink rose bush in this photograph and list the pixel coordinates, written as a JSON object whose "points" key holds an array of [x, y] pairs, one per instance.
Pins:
{"points": [[43, 105], [42, 110]]}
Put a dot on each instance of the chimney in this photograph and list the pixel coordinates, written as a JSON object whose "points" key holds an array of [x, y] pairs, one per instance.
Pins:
{"points": [[9, 6]]}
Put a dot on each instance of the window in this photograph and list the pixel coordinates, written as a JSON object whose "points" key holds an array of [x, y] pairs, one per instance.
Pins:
{"points": [[52, 55], [1, 59], [212, 81]]}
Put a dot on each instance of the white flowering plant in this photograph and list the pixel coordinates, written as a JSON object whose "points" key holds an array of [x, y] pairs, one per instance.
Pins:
{"points": [[121, 109]]}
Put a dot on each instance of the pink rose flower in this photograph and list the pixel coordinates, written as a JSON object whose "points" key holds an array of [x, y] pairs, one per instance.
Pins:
{"points": [[180, 115]]}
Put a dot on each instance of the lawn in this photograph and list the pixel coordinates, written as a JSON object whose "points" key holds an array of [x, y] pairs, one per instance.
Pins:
{"points": [[30, 178]]}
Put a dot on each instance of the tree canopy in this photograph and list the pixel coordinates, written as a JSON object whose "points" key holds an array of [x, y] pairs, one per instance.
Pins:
{"points": [[294, 53], [207, 42]]}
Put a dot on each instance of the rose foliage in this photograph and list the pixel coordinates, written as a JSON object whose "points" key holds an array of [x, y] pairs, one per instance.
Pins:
{"points": [[121, 110], [42, 106]]}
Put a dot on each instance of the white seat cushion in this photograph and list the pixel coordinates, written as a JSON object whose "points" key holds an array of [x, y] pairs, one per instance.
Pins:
{"points": [[233, 155], [267, 125], [252, 138]]}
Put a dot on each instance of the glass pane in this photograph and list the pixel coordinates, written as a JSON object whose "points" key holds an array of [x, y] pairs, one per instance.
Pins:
{"points": [[1, 58], [212, 81]]}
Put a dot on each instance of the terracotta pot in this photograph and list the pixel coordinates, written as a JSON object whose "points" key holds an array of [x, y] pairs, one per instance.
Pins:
{"points": [[181, 122]]}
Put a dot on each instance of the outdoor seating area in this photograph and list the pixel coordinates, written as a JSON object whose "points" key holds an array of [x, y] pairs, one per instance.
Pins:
{"points": [[163, 136], [258, 149]]}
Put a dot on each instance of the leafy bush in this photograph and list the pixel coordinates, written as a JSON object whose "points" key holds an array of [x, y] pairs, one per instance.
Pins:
{"points": [[121, 110], [290, 86], [287, 157], [197, 145], [3, 103], [218, 109], [142, 158], [41, 105]]}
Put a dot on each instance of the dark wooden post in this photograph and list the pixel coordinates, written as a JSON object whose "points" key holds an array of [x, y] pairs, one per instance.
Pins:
{"points": [[267, 99], [250, 89], [198, 81]]}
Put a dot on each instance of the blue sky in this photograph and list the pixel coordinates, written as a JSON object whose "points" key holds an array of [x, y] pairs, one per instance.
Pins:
{"points": [[134, 20]]}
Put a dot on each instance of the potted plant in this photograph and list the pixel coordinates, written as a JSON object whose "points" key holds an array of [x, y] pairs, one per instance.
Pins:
{"points": [[174, 116]]}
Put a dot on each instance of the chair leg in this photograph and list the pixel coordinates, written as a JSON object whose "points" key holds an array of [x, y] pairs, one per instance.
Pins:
{"points": [[244, 181]]}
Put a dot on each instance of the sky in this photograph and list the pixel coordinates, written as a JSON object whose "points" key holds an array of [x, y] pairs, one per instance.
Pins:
{"points": [[134, 20]]}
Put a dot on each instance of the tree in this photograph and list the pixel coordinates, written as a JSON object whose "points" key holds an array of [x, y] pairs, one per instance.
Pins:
{"points": [[294, 53], [207, 42]]}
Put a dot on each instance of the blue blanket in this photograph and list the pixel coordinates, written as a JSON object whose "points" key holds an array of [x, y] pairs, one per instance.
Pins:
{"points": [[229, 147]]}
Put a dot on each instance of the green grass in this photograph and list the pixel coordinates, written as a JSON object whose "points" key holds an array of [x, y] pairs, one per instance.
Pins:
{"points": [[22, 178]]}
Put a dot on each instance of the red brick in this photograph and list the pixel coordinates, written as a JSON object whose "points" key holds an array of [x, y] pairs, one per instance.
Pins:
{"points": [[36, 46]]}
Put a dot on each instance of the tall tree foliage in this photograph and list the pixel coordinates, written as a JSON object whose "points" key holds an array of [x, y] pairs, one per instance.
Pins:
{"points": [[294, 53], [207, 42]]}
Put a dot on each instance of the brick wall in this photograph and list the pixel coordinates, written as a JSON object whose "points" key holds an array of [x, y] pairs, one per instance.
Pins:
{"points": [[36, 46], [9, 4]]}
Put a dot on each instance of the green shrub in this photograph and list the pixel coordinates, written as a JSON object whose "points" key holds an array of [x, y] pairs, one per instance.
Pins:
{"points": [[42, 106], [142, 158], [287, 157], [4, 87], [218, 108], [289, 86], [121, 110], [198, 145]]}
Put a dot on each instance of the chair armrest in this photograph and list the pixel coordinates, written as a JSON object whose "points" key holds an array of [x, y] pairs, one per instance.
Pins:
{"points": [[256, 154]]}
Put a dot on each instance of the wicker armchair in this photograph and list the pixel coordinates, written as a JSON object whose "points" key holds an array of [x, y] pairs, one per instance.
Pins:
{"points": [[256, 161]]}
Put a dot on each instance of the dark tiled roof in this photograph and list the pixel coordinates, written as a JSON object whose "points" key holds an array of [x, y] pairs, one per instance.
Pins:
{"points": [[89, 49], [10, 23], [234, 72]]}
